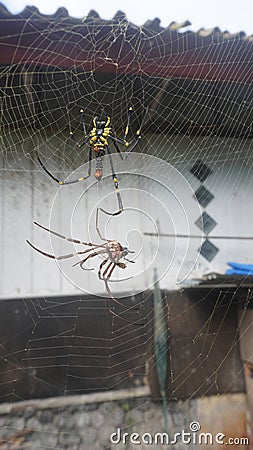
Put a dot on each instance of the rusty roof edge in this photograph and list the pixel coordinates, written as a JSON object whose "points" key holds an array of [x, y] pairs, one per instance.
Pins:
{"points": [[153, 26]]}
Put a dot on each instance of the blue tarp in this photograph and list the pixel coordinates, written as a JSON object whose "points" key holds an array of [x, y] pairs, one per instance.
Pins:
{"points": [[239, 269]]}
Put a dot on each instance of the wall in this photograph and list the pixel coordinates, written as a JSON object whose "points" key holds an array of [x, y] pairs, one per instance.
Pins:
{"points": [[89, 423], [157, 195]]}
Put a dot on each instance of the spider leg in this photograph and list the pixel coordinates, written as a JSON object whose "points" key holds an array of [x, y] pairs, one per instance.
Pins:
{"points": [[110, 296], [75, 241], [137, 134], [108, 291], [106, 278], [98, 230], [100, 268], [114, 141], [116, 185], [86, 136], [124, 141], [82, 120], [81, 263], [70, 255], [128, 123], [61, 183], [85, 142], [111, 265], [129, 260], [122, 265], [134, 145]]}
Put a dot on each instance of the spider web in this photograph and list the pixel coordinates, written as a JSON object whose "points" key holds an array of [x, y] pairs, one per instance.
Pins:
{"points": [[186, 190]]}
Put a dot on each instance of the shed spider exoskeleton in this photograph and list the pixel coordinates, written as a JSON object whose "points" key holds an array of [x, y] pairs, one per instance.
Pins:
{"points": [[111, 250]]}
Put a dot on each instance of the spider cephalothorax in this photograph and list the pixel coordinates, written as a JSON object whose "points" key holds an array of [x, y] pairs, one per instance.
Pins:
{"points": [[116, 251]]}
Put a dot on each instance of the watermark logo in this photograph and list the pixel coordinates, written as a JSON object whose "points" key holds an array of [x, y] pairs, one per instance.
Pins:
{"points": [[192, 436]]}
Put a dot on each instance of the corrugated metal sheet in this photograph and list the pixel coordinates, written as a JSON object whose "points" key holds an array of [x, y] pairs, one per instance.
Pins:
{"points": [[162, 52]]}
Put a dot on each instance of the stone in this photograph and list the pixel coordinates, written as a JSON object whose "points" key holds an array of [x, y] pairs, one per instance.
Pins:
{"points": [[90, 407], [136, 416], [2, 421], [33, 424], [116, 417], [97, 419], [43, 440], [45, 417], [69, 439], [28, 413], [88, 436], [18, 423], [82, 419], [3, 431], [104, 434]]}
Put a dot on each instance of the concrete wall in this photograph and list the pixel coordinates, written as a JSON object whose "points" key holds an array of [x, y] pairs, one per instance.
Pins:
{"points": [[157, 195]]}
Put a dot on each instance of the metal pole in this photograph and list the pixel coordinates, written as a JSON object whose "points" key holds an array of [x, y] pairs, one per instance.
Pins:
{"points": [[196, 236], [160, 345]]}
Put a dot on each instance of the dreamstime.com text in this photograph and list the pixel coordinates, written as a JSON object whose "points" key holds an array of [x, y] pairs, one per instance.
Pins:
{"points": [[193, 436]]}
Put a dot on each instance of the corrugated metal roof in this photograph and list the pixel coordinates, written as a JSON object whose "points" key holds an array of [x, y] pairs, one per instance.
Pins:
{"points": [[63, 41], [194, 82], [32, 12]]}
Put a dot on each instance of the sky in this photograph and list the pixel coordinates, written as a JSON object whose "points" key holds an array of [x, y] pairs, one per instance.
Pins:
{"points": [[231, 15]]}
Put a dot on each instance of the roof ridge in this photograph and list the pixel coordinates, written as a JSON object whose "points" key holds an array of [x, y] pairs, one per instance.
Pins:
{"points": [[152, 24]]}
